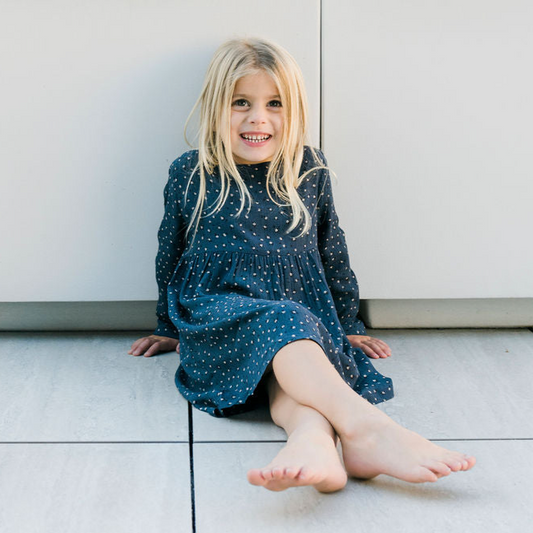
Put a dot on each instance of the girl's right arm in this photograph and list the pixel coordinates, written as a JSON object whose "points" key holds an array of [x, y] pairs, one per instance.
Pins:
{"points": [[171, 246]]}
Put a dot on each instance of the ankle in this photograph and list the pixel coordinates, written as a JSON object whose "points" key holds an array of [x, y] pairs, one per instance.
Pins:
{"points": [[361, 421], [313, 432]]}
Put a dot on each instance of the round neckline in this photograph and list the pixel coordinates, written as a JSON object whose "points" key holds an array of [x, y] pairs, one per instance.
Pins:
{"points": [[250, 165]]}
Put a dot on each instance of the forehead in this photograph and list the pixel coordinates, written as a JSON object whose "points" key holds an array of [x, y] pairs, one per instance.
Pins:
{"points": [[257, 83]]}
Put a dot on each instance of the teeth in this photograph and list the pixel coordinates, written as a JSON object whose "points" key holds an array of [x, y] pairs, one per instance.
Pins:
{"points": [[256, 138]]}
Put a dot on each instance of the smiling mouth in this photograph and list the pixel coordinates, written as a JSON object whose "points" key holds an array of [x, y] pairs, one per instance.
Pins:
{"points": [[255, 138]]}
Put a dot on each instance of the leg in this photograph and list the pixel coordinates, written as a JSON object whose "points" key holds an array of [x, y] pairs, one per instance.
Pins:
{"points": [[372, 443], [310, 456]]}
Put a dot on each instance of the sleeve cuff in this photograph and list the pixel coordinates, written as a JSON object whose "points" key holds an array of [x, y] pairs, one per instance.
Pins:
{"points": [[164, 330], [355, 329]]}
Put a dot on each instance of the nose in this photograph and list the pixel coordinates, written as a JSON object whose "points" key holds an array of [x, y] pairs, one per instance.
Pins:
{"points": [[257, 115]]}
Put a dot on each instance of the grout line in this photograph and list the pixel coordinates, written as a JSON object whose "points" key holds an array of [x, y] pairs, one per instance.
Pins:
{"points": [[265, 441], [96, 442], [432, 440], [482, 439], [239, 441], [191, 468]]}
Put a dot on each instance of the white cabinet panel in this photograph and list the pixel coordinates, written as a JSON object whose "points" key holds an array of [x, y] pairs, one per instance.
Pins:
{"points": [[92, 105], [427, 123]]}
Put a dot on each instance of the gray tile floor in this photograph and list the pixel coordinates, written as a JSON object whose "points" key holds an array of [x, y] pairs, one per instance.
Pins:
{"points": [[94, 440]]}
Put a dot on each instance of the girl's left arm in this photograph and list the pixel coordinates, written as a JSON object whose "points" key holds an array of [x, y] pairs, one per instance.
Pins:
{"points": [[334, 254], [341, 279]]}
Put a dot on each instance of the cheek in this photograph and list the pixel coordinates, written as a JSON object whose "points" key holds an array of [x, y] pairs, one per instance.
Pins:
{"points": [[234, 124], [279, 125]]}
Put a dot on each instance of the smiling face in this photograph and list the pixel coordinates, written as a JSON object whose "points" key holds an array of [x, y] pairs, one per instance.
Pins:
{"points": [[256, 119]]}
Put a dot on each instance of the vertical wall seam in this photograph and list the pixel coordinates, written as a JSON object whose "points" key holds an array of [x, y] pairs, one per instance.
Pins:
{"points": [[321, 87]]}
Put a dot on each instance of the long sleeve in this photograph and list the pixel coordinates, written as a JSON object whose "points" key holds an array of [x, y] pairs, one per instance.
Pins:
{"points": [[171, 246], [334, 254]]}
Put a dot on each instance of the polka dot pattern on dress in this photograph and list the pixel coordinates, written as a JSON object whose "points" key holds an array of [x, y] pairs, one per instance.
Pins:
{"points": [[245, 288]]}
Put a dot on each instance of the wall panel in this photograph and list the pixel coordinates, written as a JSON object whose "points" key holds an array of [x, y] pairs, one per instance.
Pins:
{"points": [[427, 122], [92, 105]]}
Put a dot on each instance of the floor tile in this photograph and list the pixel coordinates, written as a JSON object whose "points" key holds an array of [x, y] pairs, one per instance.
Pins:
{"points": [[94, 488], [448, 384], [492, 498], [85, 387], [461, 384]]}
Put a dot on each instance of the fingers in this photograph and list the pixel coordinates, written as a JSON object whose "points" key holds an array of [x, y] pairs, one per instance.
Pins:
{"points": [[376, 349], [135, 345], [381, 348], [146, 346], [152, 345], [153, 350], [369, 351], [372, 347]]}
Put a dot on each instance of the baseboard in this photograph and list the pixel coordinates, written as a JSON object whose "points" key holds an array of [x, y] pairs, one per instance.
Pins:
{"points": [[140, 315], [73, 316], [452, 313]]}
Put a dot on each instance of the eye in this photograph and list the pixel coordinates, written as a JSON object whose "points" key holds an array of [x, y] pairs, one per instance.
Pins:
{"points": [[241, 102], [274, 103]]}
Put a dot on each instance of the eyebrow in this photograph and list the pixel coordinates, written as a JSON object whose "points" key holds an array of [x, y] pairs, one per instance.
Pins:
{"points": [[247, 96]]}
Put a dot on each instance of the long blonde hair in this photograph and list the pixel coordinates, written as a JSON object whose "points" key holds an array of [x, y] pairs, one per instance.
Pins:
{"points": [[232, 61]]}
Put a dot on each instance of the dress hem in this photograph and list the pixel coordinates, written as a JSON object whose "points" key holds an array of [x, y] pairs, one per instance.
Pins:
{"points": [[255, 398]]}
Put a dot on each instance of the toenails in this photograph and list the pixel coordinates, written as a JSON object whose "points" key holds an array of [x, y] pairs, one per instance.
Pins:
{"points": [[266, 474], [290, 473], [277, 473]]}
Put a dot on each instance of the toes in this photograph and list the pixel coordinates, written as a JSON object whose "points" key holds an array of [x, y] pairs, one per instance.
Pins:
{"points": [[454, 462], [467, 462], [424, 475], [471, 460], [255, 477], [459, 462], [267, 474], [282, 479], [277, 473], [303, 475], [455, 466], [439, 469], [430, 477], [291, 473]]}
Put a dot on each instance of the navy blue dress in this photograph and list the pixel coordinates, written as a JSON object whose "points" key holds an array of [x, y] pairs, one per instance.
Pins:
{"points": [[245, 288]]}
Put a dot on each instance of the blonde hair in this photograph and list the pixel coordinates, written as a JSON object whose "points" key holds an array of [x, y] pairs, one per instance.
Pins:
{"points": [[232, 61]]}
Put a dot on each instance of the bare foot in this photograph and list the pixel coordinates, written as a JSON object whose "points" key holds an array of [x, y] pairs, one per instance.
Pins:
{"points": [[308, 458], [378, 445]]}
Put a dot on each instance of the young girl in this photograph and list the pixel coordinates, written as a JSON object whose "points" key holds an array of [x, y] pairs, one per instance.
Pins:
{"points": [[256, 292]]}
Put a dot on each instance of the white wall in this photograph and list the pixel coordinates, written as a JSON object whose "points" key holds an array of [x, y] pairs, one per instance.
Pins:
{"points": [[94, 96], [428, 123]]}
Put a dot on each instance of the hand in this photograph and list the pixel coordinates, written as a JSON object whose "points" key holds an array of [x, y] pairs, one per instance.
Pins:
{"points": [[371, 346], [154, 344]]}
